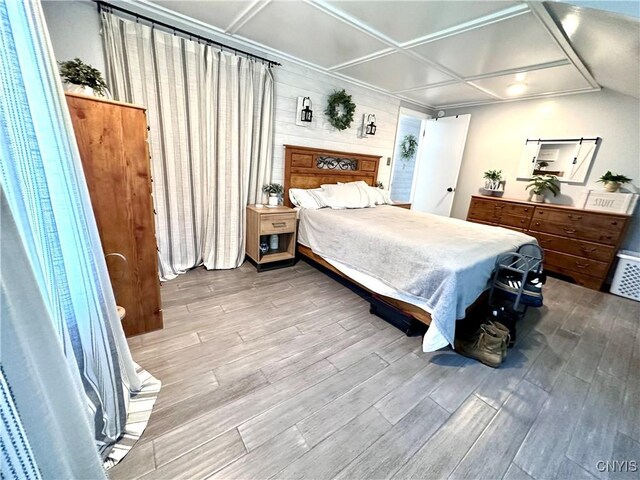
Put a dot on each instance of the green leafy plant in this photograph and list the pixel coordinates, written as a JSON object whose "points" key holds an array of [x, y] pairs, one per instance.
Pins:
{"points": [[340, 109], [541, 183], [273, 189], [493, 175], [77, 72], [542, 164], [610, 177], [408, 148]]}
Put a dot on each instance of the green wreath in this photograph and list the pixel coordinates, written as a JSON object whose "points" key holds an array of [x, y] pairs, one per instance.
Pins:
{"points": [[340, 110], [408, 147]]}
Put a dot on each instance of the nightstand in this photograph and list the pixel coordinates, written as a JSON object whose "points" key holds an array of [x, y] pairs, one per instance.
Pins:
{"points": [[406, 205], [262, 223]]}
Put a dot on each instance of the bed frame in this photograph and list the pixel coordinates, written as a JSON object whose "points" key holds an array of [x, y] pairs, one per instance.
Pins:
{"points": [[311, 167]]}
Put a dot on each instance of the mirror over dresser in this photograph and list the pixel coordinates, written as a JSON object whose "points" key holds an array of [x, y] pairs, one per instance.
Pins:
{"points": [[580, 244]]}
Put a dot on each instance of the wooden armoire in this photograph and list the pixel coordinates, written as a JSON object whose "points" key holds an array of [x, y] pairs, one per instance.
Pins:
{"points": [[112, 139]]}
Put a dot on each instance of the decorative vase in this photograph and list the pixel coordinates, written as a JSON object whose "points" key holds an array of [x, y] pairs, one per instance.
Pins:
{"points": [[85, 90], [264, 247], [611, 186], [274, 241], [273, 200], [538, 198]]}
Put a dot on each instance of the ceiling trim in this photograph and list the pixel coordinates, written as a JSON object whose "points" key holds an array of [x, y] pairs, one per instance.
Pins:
{"points": [[550, 25], [512, 71], [246, 15], [515, 99]]}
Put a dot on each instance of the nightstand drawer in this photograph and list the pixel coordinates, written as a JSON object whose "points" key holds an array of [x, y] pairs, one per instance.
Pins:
{"points": [[277, 223]]}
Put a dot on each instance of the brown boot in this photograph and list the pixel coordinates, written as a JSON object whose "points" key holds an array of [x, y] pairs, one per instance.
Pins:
{"points": [[484, 347], [497, 329]]}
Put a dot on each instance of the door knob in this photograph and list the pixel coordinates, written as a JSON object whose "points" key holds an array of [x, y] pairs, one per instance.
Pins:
{"points": [[450, 189]]}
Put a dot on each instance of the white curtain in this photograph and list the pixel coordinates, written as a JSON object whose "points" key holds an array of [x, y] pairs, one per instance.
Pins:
{"points": [[211, 119], [41, 177]]}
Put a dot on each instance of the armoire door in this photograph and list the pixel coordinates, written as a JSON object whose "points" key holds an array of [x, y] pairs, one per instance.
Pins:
{"points": [[112, 139]]}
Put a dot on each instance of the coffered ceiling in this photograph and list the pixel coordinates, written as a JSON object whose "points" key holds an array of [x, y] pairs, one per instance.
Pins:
{"points": [[433, 53]]}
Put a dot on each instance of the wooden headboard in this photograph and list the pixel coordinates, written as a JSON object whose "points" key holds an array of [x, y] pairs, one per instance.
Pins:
{"points": [[306, 167]]}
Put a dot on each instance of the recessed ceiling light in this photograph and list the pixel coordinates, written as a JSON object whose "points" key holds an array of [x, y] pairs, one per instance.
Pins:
{"points": [[517, 89], [521, 76]]}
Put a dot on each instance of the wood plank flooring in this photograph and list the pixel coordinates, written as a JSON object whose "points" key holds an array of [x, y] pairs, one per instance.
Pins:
{"points": [[285, 374]]}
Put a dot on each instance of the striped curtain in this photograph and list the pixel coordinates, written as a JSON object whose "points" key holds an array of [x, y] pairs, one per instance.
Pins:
{"points": [[211, 121], [42, 179]]}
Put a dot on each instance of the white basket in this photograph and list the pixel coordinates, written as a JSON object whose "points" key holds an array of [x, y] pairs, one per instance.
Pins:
{"points": [[626, 281]]}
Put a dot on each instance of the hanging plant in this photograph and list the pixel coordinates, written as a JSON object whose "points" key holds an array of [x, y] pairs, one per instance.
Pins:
{"points": [[408, 148], [340, 110]]}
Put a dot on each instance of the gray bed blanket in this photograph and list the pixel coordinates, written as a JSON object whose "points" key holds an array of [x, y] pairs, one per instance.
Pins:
{"points": [[441, 263]]}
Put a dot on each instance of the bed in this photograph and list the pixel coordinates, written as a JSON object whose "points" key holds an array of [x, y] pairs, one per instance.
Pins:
{"points": [[431, 268]]}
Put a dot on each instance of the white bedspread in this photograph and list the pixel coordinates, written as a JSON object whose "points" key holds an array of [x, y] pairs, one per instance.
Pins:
{"points": [[437, 263]]}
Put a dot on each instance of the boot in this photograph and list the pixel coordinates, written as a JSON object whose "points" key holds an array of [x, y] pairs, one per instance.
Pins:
{"points": [[483, 347], [497, 329]]}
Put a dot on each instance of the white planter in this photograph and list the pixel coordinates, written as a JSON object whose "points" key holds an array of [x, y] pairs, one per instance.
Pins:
{"points": [[611, 186], [273, 200], [538, 198], [84, 90]]}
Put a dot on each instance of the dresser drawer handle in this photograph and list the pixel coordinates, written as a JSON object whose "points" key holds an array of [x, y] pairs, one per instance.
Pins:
{"points": [[545, 240], [522, 221], [575, 217], [614, 223], [569, 230], [526, 209], [582, 265], [537, 224], [589, 250], [278, 224]]}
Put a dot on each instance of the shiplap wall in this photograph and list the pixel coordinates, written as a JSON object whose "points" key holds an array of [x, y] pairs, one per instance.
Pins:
{"points": [[293, 81]]}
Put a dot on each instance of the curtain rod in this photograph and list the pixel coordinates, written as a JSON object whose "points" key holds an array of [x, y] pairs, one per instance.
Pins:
{"points": [[581, 139], [108, 6]]}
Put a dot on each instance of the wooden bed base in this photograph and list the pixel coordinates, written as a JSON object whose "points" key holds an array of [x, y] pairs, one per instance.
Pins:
{"points": [[406, 308]]}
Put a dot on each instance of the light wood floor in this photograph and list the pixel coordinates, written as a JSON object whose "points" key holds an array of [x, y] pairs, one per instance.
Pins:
{"points": [[285, 374]]}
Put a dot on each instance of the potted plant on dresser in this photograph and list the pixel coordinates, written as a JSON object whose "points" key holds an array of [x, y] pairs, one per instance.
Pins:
{"points": [[613, 182], [493, 178], [540, 184], [274, 190]]}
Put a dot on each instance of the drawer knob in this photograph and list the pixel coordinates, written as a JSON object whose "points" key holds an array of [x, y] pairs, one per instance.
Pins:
{"points": [[614, 223], [278, 224], [575, 217], [526, 209], [588, 250], [569, 230], [537, 224], [522, 221], [582, 265]]}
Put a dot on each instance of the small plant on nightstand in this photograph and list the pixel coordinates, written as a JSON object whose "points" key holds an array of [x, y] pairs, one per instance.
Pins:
{"points": [[613, 182], [540, 184], [274, 190]]}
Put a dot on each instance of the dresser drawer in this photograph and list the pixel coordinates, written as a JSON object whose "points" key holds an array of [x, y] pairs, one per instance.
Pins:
{"points": [[576, 264], [277, 223], [513, 221], [513, 209], [594, 251], [575, 232], [482, 210], [605, 223]]}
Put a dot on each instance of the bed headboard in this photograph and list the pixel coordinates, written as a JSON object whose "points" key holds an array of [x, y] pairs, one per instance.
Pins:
{"points": [[306, 167]]}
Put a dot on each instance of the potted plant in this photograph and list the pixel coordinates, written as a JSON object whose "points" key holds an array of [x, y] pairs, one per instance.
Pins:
{"points": [[613, 182], [274, 190], [82, 78], [408, 148], [542, 165], [493, 179], [540, 184]]}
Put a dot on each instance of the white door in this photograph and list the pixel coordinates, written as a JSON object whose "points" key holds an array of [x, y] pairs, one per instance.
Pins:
{"points": [[439, 164]]}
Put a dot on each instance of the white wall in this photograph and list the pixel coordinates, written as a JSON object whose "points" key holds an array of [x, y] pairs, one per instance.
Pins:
{"points": [[74, 28], [497, 133], [293, 81]]}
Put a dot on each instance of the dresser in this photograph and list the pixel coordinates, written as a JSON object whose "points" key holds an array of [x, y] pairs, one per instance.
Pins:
{"points": [[112, 140], [580, 244]]}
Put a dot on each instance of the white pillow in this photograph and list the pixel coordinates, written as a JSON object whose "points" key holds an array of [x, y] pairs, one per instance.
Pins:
{"points": [[376, 195], [313, 198], [346, 195]]}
